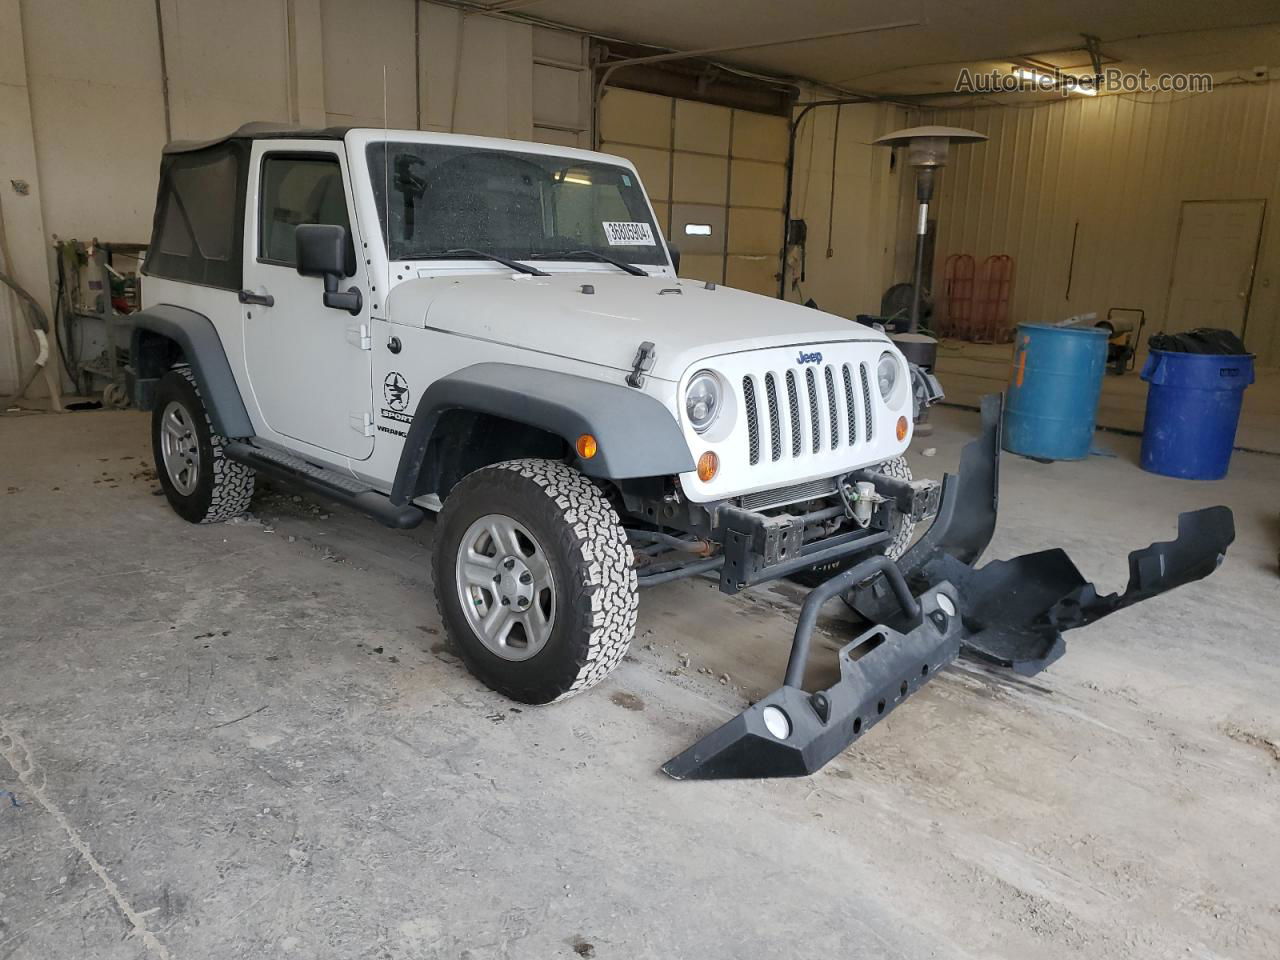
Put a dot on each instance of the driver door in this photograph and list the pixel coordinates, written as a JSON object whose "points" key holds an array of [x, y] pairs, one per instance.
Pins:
{"points": [[309, 365]]}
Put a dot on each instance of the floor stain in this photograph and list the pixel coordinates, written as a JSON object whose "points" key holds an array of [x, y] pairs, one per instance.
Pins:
{"points": [[1249, 738], [628, 701]]}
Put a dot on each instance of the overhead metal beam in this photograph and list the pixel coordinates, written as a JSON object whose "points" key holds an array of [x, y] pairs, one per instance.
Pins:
{"points": [[760, 44]]}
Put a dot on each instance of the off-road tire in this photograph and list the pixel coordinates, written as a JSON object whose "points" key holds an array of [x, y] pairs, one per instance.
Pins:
{"points": [[223, 487], [591, 563], [900, 535]]}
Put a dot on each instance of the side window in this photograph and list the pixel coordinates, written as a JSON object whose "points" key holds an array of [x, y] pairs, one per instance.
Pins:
{"points": [[198, 226], [294, 191]]}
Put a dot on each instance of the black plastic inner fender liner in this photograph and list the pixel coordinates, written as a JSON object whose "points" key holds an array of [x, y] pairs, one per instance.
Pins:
{"points": [[927, 609]]}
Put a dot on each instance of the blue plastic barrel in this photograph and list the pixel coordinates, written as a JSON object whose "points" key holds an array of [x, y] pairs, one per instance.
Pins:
{"points": [[1052, 399], [1193, 408]]}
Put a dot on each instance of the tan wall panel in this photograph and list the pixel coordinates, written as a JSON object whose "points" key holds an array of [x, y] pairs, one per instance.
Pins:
{"points": [[556, 96], [225, 65], [684, 213], [562, 138], [758, 274], [491, 91], [755, 231], [867, 219], [101, 175], [559, 45], [701, 267], [699, 179], [758, 136], [662, 211], [630, 117], [755, 183], [357, 41], [703, 127], [439, 27], [654, 167], [495, 85]]}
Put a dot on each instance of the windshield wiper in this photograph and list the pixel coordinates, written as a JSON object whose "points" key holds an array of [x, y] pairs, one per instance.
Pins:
{"points": [[467, 253], [589, 255]]}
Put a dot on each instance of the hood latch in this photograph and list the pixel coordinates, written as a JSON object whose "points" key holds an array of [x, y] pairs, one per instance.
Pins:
{"points": [[642, 364]]}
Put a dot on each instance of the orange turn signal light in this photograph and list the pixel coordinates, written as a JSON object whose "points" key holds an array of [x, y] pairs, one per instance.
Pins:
{"points": [[708, 466], [902, 429], [586, 446]]}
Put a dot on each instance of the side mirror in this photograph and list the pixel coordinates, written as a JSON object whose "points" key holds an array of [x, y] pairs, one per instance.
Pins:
{"points": [[675, 256], [321, 251]]}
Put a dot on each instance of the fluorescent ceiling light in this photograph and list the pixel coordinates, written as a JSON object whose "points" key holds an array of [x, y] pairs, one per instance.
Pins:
{"points": [[567, 178], [1048, 81], [697, 229]]}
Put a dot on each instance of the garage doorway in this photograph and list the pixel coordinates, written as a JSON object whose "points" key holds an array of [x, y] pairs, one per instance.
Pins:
{"points": [[1213, 264], [717, 178]]}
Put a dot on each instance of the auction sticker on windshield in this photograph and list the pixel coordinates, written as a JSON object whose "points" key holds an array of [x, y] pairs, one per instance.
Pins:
{"points": [[627, 233]]}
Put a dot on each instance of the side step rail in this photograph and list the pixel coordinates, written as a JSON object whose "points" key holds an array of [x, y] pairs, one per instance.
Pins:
{"points": [[329, 483]]}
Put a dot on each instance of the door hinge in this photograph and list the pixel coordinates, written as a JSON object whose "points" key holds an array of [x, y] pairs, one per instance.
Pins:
{"points": [[361, 422], [358, 336]]}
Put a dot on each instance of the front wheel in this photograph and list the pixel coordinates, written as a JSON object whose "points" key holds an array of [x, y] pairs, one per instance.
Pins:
{"points": [[534, 579]]}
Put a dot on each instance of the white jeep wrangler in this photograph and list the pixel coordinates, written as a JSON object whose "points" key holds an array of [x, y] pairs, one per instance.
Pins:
{"points": [[408, 320], [413, 322]]}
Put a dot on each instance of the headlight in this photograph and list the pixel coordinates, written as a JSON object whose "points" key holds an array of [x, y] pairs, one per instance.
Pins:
{"points": [[703, 399], [887, 374]]}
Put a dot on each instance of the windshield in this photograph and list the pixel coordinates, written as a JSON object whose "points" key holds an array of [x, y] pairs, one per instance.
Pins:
{"points": [[517, 205]]}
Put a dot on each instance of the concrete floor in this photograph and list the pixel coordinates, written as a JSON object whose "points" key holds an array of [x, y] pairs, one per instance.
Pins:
{"points": [[248, 741]]}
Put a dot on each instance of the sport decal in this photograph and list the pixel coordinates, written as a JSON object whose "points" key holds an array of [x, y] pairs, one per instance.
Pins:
{"points": [[628, 233], [396, 391]]}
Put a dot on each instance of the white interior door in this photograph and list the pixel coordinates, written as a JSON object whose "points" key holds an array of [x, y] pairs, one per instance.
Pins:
{"points": [[308, 364], [1213, 264]]}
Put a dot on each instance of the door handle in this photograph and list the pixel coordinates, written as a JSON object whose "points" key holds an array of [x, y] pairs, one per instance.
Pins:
{"points": [[261, 299]]}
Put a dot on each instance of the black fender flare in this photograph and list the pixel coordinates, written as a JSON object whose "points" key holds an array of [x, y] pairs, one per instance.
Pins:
{"points": [[636, 435], [202, 349]]}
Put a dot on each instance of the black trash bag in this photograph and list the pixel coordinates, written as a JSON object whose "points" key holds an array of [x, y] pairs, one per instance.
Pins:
{"points": [[1201, 340]]}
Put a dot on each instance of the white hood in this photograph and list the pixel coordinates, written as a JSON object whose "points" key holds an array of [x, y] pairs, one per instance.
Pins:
{"points": [[552, 315]]}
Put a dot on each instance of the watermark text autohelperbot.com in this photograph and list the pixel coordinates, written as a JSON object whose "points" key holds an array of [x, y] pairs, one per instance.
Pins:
{"points": [[1110, 80]]}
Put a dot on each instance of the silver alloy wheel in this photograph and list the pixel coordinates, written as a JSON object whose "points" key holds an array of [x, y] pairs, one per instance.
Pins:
{"points": [[505, 587], [180, 448]]}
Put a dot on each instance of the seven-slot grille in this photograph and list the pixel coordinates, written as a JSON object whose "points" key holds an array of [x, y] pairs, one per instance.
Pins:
{"points": [[793, 415]]}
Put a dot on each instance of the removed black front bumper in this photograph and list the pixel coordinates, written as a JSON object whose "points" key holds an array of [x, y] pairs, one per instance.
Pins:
{"points": [[927, 608]]}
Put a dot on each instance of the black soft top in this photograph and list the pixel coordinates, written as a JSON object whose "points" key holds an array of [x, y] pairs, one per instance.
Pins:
{"points": [[259, 130], [197, 233]]}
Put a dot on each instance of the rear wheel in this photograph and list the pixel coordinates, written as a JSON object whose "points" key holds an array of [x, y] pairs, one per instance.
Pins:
{"points": [[199, 481], [900, 531], [534, 579]]}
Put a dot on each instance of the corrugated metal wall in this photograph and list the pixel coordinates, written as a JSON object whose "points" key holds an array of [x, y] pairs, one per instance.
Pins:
{"points": [[1120, 167]]}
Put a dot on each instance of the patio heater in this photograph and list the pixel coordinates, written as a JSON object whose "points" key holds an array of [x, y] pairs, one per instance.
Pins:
{"points": [[927, 149]]}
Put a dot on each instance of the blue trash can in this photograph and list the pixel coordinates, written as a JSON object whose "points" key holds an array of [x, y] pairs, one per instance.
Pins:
{"points": [[1052, 399], [1193, 408]]}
